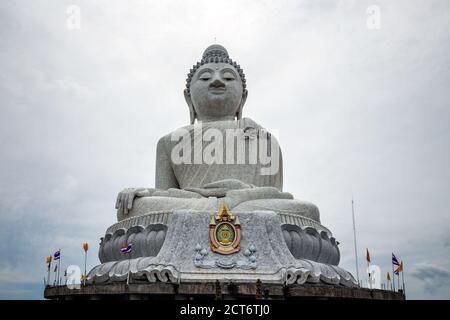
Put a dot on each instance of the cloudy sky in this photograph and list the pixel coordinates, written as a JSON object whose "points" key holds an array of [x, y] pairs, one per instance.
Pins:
{"points": [[361, 104]]}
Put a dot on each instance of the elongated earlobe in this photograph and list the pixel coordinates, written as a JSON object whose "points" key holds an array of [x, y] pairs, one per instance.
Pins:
{"points": [[241, 105], [188, 99]]}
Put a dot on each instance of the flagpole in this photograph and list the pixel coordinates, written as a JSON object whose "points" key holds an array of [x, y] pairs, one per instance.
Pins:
{"points": [[388, 282], [85, 258], [393, 274], [354, 239], [392, 288], [56, 266], [403, 283], [49, 265], [403, 278], [368, 269], [59, 265]]}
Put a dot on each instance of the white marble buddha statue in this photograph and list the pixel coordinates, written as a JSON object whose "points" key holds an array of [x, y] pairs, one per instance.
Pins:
{"points": [[219, 157]]}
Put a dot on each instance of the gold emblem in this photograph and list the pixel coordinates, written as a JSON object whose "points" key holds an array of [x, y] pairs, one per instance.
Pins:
{"points": [[225, 232]]}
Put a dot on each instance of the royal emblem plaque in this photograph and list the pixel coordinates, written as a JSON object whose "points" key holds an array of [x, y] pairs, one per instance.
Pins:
{"points": [[225, 232]]}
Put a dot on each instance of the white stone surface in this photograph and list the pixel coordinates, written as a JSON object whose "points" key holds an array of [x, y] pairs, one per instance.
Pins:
{"points": [[283, 240], [178, 260]]}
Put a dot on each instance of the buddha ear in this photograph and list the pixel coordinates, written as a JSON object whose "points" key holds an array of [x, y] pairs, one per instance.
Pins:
{"points": [[188, 99], [241, 105]]}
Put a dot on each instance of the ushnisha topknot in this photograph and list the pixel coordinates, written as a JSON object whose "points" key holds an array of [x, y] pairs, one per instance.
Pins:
{"points": [[214, 54]]}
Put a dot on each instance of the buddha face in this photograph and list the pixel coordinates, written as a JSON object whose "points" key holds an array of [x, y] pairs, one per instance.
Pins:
{"points": [[216, 92]]}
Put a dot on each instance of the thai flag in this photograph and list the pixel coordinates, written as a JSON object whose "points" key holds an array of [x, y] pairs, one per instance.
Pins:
{"points": [[57, 255], [126, 248], [394, 260]]}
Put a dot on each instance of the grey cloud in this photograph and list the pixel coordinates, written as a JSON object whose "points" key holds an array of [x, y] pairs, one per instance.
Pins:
{"points": [[435, 277]]}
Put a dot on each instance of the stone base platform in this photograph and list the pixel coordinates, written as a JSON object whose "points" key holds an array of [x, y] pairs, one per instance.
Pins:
{"points": [[175, 248], [217, 291]]}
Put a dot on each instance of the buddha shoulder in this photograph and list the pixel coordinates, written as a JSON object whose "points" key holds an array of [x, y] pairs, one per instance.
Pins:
{"points": [[243, 124], [175, 135]]}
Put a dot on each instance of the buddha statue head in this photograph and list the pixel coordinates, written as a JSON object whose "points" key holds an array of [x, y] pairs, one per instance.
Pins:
{"points": [[215, 87]]}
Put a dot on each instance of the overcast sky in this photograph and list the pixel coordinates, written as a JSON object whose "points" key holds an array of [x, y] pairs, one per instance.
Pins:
{"points": [[361, 112]]}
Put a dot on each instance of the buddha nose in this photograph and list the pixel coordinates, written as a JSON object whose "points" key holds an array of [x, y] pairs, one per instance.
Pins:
{"points": [[217, 83]]}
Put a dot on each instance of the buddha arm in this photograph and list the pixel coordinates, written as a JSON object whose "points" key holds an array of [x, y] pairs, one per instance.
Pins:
{"points": [[164, 175], [279, 176]]}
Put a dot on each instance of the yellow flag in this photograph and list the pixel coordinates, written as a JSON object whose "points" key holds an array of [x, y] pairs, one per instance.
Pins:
{"points": [[367, 255], [85, 247], [49, 259], [400, 268]]}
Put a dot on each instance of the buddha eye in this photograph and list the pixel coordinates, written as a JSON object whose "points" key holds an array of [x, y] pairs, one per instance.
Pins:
{"points": [[205, 76], [228, 76]]}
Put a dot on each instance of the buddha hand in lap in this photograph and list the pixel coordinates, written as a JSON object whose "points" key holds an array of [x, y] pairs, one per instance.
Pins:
{"points": [[221, 157]]}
